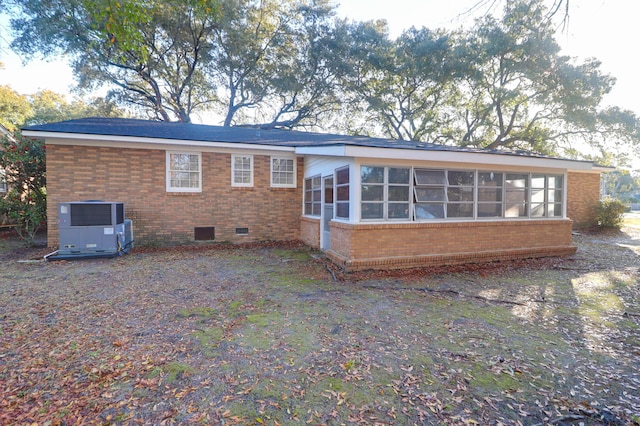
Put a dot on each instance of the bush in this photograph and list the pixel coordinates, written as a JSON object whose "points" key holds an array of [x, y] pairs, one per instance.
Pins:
{"points": [[610, 213], [25, 203]]}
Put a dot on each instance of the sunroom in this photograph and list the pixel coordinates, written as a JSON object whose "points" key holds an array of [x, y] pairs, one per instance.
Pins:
{"points": [[397, 208]]}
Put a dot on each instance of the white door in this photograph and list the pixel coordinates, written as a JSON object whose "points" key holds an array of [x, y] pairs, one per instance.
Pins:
{"points": [[327, 212]]}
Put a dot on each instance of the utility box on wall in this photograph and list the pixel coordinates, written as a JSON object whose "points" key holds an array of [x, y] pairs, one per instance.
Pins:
{"points": [[93, 228]]}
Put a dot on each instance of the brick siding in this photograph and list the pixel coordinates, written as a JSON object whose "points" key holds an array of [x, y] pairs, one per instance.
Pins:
{"points": [[388, 246], [310, 231], [137, 178], [583, 194]]}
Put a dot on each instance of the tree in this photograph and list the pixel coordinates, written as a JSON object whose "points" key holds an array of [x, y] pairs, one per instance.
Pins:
{"points": [[521, 94], [407, 85], [274, 63], [305, 79], [622, 185], [152, 52], [556, 8], [14, 108], [48, 106], [23, 161], [17, 110], [251, 38]]}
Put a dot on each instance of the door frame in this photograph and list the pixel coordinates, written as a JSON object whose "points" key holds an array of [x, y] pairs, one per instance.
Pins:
{"points": [[325, 227]]}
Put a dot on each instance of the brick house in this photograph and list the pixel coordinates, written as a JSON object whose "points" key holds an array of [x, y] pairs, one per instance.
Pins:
{"points": [[366, 202]]}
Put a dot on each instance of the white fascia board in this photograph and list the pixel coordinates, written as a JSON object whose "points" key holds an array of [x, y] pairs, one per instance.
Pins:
{"points": [[475, 158], [331, 151], [82, 139]]}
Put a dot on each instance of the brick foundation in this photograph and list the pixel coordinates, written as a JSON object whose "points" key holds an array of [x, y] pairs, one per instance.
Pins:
{"points": [[310, 231], [392, 246]]}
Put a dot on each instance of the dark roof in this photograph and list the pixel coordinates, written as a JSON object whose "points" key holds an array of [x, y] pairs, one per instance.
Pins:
{"points": [[241, 134]]}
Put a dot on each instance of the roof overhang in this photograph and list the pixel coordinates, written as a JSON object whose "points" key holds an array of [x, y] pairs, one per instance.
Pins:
{"points": [[59, 138], [332, 150], [488, 158]]}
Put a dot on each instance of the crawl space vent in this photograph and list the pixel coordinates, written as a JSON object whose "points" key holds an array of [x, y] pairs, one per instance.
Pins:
{"points": [[204, 233]]}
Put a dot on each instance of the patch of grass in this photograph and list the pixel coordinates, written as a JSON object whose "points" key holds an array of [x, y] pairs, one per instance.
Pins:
{"points": [[197, 311], [174, 371], [209, 338], [492, 382], [300, 255], [234, 309], [264, 320]]}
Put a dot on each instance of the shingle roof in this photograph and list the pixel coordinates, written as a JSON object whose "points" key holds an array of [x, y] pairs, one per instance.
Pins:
{"points": [[240, 134]]}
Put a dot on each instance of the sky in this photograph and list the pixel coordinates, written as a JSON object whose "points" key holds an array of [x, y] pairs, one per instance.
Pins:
{"points": [[605, 29]]}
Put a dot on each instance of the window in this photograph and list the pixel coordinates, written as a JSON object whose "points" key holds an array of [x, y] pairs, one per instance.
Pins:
{"points": [[241, 170], [342, 193], [283, 172], [546, 196], [3, 180], [313, 196], [385, 192], [441, 194], [490, 185], [390, 193], [516, 194], [184, 173]]}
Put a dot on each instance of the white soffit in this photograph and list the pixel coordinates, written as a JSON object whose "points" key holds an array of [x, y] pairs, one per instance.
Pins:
{"points": [[445, 156], [82, 139]]}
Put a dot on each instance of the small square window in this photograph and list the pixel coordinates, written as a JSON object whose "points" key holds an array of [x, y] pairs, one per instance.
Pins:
{"points": [[242, 231]]}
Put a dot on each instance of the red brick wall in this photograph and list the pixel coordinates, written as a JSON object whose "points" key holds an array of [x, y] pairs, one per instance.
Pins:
{"points": [[137, 178], [375, 246], [583, 194], [310, 231]]}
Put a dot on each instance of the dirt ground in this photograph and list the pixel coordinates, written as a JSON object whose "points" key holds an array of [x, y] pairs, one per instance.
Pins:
{"points": [[272, 334]]}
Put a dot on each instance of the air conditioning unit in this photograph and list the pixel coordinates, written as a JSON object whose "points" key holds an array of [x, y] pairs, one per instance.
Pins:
{"points": [[93, 229]]}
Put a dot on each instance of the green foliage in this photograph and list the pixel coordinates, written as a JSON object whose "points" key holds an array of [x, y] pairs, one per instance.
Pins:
{"points": [[14, 108], [17, 110], [48, 107], [24, 203], [610, 213], [502, 84], [622, 184]]}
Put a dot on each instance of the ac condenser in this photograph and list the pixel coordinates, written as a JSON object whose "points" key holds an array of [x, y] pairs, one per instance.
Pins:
{"points": [[93, 229]]}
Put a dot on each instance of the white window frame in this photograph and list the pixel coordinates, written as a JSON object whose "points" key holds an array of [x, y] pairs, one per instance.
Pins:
{"points": [[3, 180], [385, 202], [171, 188], [547, 191], [233, 170], [337, 185], [312, 188], [293, 172]]}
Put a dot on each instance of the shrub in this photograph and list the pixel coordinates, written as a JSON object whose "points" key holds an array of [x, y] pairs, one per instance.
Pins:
{"points": [[610, 213], [24, 204]]}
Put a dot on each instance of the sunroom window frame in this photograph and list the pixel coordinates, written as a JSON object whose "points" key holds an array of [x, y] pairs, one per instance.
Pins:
{"points": [[311, 193], [386, 202]]}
